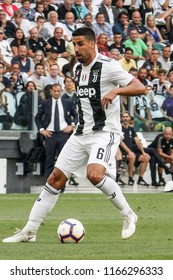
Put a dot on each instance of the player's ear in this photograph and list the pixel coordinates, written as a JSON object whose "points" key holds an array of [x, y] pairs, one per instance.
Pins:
{"points": [[92, 44]]}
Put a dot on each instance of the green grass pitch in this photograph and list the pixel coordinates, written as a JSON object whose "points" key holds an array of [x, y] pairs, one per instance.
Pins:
{"points": [[153, 239]]}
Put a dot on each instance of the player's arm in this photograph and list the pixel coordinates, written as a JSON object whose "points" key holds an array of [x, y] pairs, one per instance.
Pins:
{"points": [[139, 145], [163, 155], [135, 87]]}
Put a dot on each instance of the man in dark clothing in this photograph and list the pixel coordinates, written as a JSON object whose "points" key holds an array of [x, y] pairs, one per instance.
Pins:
{"points": [[55, 126], [135, 153], [47, 8], [64, 8], [163, 144]]}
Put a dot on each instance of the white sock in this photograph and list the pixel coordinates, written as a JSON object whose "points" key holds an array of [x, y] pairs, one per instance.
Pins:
{"points": [[41, 208], [110, 188]]}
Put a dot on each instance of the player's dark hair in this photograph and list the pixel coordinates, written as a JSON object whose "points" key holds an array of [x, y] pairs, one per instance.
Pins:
{"points": [[85, 31]]}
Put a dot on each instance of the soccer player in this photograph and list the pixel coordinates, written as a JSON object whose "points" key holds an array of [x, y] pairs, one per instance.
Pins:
{"points": [[99, 82]]}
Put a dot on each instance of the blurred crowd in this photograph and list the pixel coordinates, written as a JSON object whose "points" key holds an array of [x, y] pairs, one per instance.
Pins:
{"points": [[36, 52]]}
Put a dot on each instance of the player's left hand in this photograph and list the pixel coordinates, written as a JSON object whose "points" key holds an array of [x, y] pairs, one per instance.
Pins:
{"points": [[107, 99]]}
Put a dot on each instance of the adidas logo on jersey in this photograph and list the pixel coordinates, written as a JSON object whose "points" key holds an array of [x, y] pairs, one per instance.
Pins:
{"points": [[86, 92]]}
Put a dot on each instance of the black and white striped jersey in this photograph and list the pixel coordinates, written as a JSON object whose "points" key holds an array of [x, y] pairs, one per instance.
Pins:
{"points": [[92, 83]]}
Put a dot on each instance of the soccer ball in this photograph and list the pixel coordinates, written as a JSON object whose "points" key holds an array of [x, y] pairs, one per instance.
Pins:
{"points": [[70, 231]]}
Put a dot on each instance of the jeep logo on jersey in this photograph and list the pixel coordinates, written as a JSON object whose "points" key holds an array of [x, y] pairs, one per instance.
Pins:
{"points": [[86, 92]]}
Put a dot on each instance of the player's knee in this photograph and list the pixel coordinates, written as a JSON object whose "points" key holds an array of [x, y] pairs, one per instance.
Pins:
{"points": [[57, 179], [95, 177], [148, 158]]}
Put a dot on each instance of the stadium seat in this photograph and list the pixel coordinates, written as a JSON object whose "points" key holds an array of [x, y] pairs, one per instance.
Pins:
{"points": [[62, 61], [127, 2], [140, 63], [11, 102]]}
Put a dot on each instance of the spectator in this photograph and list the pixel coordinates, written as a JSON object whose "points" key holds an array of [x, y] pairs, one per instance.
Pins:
{"points": [[142, 114], [127, 62], [102, 44], [39, 8], [170, 77], [134, 72], [153, 65], [9, 27], [48, 8], [121, 26], [8, 8], [91, 8], [22, 23], [17, 78], [70, 24], [4, 80], [59, 43], [162, 11], [23, 59], [27, 11], [119, 7], [114, 53], [68, 69], [133, 151], [154, 160], [145, 7], [53, 22], [80, 9], [120, 167], [44, 33], [58, 3], [38, 58], [52, 59], [55, 126], [155, 102], [5, 49], [23, 115], [68, 92], [102, 27], [161, 85], [109, 11], [140, 49], [35, 43], [154, 33], [67, 6], [164, 58], [38, 77], [117, 43], [167, 107], [156, 96], [54, 76], [88, 21], [142, 76], [6, 119], [19, 40], [137, 24], [163, 143]]}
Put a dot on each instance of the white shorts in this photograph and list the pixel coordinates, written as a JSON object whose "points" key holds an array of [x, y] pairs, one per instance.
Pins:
{"points": [[79, 151]]}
